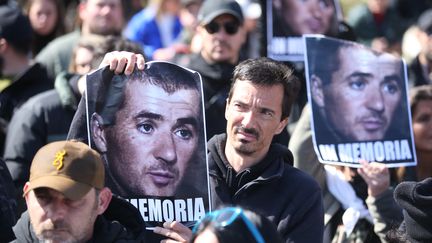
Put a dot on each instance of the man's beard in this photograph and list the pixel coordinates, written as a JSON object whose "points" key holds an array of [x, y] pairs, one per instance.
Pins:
{"points": [[45, 236], [246, 148], [50, 241], [104, 31]]}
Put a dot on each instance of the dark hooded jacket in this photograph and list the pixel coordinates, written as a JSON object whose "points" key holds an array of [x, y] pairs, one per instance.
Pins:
{"points": [[35, 80], [8, 205], [287, 196]]}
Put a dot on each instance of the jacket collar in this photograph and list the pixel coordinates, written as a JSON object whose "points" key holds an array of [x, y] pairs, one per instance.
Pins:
{"points": [[271, 167]]}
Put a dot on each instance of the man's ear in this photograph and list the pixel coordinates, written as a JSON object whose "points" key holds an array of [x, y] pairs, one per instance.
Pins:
{"points": [[281, 126], [26, 185], [3, 45], [105, 196], [98, 132], [226, 109], [82, 10], [317, 90]]}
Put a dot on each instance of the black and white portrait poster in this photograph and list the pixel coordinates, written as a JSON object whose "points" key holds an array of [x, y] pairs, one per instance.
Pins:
{"points": [[359, 103], [149, 128], [288, 20]]}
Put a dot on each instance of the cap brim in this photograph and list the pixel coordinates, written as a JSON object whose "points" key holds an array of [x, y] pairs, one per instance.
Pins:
{"points": [[207, 19], [69, 188]]}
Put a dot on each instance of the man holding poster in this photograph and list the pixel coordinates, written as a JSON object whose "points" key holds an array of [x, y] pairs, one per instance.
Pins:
{"points": [[148, 125], [147, 121], [355, 94], [246, 169]]}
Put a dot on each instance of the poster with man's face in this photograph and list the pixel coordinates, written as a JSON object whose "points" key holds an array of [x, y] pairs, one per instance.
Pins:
{"points": [[149, 128], [359, 104], [288, 20]]}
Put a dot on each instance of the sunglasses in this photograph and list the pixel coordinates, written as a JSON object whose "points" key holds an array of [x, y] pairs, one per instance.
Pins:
{"points": [[224, 217], [230, 27]]}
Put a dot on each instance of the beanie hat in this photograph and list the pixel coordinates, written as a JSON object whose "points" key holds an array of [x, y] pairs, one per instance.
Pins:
{"points": [[69, 167], [416, 200]]}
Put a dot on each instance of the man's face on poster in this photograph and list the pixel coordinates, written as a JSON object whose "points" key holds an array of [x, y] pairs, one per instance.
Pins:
{"points": [[154, 138], [308, 16], [361, 99]]}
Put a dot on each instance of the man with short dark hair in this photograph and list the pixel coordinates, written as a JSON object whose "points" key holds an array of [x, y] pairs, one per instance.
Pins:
{"points": [[247, 169], [66, 198]]}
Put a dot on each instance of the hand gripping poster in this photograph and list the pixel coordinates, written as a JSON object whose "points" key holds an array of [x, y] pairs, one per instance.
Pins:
{"points": [[149, 128], [359, 104], [288, 20]]}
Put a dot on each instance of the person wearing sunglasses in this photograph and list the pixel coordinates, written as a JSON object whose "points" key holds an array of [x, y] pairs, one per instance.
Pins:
{"points": [[234, 224], [221, 35]]}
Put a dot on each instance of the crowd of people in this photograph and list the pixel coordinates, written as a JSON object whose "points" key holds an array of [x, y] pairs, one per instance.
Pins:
{"points": [[71, 156]]}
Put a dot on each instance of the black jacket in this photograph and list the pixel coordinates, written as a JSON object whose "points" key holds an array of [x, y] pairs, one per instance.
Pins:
{"points": [[35, 80], [8, 215], [121, 222], [287, 196]]}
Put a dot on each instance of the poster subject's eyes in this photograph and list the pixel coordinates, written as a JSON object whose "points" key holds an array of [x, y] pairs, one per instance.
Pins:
{"points": [[357, 83], [184, 133], [145, 127], [391, 87]]}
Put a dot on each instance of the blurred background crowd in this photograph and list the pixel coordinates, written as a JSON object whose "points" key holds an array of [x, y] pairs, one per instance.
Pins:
{"points": [[47, 45]]}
